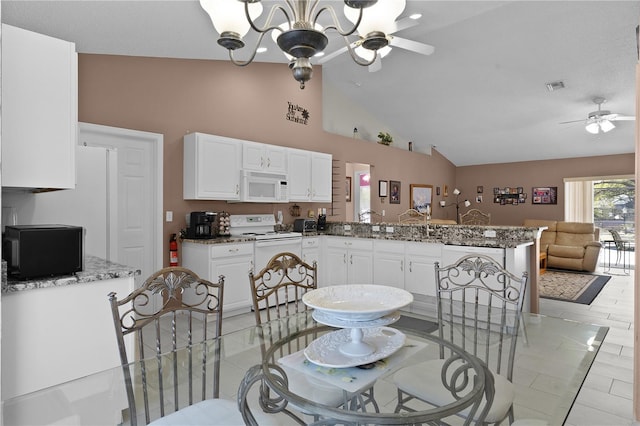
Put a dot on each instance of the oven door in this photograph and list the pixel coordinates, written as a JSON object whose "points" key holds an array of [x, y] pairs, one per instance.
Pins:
{"points": [[266, 249]]}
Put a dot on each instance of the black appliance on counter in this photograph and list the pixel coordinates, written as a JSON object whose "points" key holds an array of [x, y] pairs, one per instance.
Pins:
{"points": [[202, 225], [322, 222], [304, 225], [34, 251]]}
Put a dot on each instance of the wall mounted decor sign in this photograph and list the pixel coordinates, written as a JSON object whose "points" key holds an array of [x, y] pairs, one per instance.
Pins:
{"points": [[544, 195], [420, 197], [394, 198], [348, 189], [509, 195], [297, 114], [382, 188]]}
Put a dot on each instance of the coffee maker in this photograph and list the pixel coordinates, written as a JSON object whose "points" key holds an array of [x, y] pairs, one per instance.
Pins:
{"points": [[201, 225]]}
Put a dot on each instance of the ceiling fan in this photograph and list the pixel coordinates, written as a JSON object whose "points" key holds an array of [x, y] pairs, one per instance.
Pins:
{"points": [[600, 121], [357, 50]]}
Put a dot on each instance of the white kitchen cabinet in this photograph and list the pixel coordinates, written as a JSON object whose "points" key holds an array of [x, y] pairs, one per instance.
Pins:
{"points": [[389, 263], [264, 157], [311, 250], [233, 260], [211, 167], [309, 175], [39, 110], [349, 261], [420, 259]]}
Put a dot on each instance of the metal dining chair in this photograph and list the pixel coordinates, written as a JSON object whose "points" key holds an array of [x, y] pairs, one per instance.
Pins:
{"points": [[479, 307], [276, 293], [174, 309]]}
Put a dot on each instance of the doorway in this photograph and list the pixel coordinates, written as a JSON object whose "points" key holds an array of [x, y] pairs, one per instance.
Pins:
{"points": [[359, 202], [139, 183]]}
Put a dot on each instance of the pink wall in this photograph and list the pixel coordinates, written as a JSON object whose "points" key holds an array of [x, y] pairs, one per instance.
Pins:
{"points": [[176, 96], [534, 173]]}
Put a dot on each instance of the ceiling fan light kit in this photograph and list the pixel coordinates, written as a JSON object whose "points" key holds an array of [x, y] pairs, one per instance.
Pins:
{"points": [[601, 121], [301, 37]]}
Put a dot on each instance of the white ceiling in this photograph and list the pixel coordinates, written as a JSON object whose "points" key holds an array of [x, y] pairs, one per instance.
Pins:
{"points": [[480, 98]]}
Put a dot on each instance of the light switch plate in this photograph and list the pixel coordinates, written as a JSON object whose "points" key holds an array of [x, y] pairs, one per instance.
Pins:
{"points": [[375, 228], [389, 229], [169, 216], [347, 227], [490, 233]]}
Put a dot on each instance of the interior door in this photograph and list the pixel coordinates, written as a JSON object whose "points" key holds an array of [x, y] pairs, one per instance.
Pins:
{"points": [[139, 185]]}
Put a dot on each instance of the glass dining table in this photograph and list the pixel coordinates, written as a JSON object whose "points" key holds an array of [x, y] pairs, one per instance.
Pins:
{"points": [[256, 365]]}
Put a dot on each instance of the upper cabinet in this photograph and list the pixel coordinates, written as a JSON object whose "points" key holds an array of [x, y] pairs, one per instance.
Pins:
{"points": [[309, 176], [212, 167], [264, 157], [39, 110]]}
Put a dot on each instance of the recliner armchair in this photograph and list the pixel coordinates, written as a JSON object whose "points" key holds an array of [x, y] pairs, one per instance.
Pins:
{"points": [[569, 245]]}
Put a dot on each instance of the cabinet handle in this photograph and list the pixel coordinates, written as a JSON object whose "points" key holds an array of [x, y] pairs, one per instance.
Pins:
{"points": [[233, 250], [261, 161], [237, 189], [402, 265], [411, 266], [344, 258], [268, 162], [351, 259]]}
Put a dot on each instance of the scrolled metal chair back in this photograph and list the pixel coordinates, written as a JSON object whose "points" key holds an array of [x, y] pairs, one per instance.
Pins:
{"points": [[171, 310], [479, 309]]}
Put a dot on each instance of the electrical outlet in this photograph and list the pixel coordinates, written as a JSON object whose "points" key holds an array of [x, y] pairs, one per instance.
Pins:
{"points": [[389, 229], [169, 216], [375, 228], [347, 227], [490, 233]]}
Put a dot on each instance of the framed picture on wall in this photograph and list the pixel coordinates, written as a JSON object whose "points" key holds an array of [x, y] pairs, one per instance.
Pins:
{"points": [[394, 198], [348, 189], [420, 197], [544, 195]]}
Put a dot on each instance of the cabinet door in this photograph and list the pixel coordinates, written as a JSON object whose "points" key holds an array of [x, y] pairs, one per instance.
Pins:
{"points": [[321, 177], [264, 157], [211, 167], [237, 294], [420, 275], [39, 110], [388, 266], [360, 267], [336, 270], [299, 183]]}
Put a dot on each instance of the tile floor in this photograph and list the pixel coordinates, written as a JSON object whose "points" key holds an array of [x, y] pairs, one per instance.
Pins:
{"points": [[606, 395]]}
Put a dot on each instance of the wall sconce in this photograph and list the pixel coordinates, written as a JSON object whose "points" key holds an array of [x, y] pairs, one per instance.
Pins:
{"points": [[466, 203]]}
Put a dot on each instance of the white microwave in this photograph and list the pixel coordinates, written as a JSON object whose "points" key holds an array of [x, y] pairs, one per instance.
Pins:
{"points": [[263, 187]]}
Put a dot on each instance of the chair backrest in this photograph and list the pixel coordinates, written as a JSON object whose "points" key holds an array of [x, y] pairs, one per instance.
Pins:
{"points": [[617, 239], [171, 310], [413, 216], [479, 307], [475, 217], [277, 290]]}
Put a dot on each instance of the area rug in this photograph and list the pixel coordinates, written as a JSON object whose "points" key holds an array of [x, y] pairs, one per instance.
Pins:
{"points": [[573, 287]]}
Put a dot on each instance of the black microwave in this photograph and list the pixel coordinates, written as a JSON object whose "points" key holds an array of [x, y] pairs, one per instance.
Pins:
{"points": [[34, 251]]}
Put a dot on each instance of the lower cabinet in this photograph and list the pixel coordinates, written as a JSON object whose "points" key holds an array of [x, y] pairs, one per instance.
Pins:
{"points": [[420, 275], [233, 260], [349, 261], [311, 250], [389, 263]]}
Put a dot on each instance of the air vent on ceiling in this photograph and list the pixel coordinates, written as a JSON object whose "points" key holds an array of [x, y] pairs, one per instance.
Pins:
{"points": [[555, 85]]}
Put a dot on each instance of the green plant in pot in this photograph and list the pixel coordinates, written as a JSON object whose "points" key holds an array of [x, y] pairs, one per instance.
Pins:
{"points": [[385, 138]]}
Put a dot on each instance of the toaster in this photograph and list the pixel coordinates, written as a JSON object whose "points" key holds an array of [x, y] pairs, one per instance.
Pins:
{"points": [[304, 225]]}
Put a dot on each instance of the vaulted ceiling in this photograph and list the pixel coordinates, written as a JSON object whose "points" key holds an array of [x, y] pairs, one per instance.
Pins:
{"points": [[480, 98]]}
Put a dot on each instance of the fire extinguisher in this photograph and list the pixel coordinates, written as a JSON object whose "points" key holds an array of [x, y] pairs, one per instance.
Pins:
{"points": [[173, 251]]}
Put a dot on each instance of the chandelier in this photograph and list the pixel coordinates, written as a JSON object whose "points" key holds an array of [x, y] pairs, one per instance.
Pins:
{"points": [[301, 36]]}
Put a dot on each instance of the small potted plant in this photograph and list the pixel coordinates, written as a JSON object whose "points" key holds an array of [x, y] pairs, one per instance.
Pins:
{"points": [[385, 138]]}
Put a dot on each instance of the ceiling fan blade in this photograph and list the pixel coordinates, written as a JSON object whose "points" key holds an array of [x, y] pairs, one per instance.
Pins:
{"points": [[376, 65], [618, 117], [572, 121], [403, 24], [414, 46], [331, 55]]}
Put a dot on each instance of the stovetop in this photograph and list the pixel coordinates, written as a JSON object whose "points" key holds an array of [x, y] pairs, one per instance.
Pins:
{"points": [[260, 226]]}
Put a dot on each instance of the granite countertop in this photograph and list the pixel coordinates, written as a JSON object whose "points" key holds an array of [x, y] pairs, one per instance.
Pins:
{"points": [[95, 269]]}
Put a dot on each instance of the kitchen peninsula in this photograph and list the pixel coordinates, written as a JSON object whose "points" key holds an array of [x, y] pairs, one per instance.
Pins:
{"points": [[401, 255], [59, 329]]}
